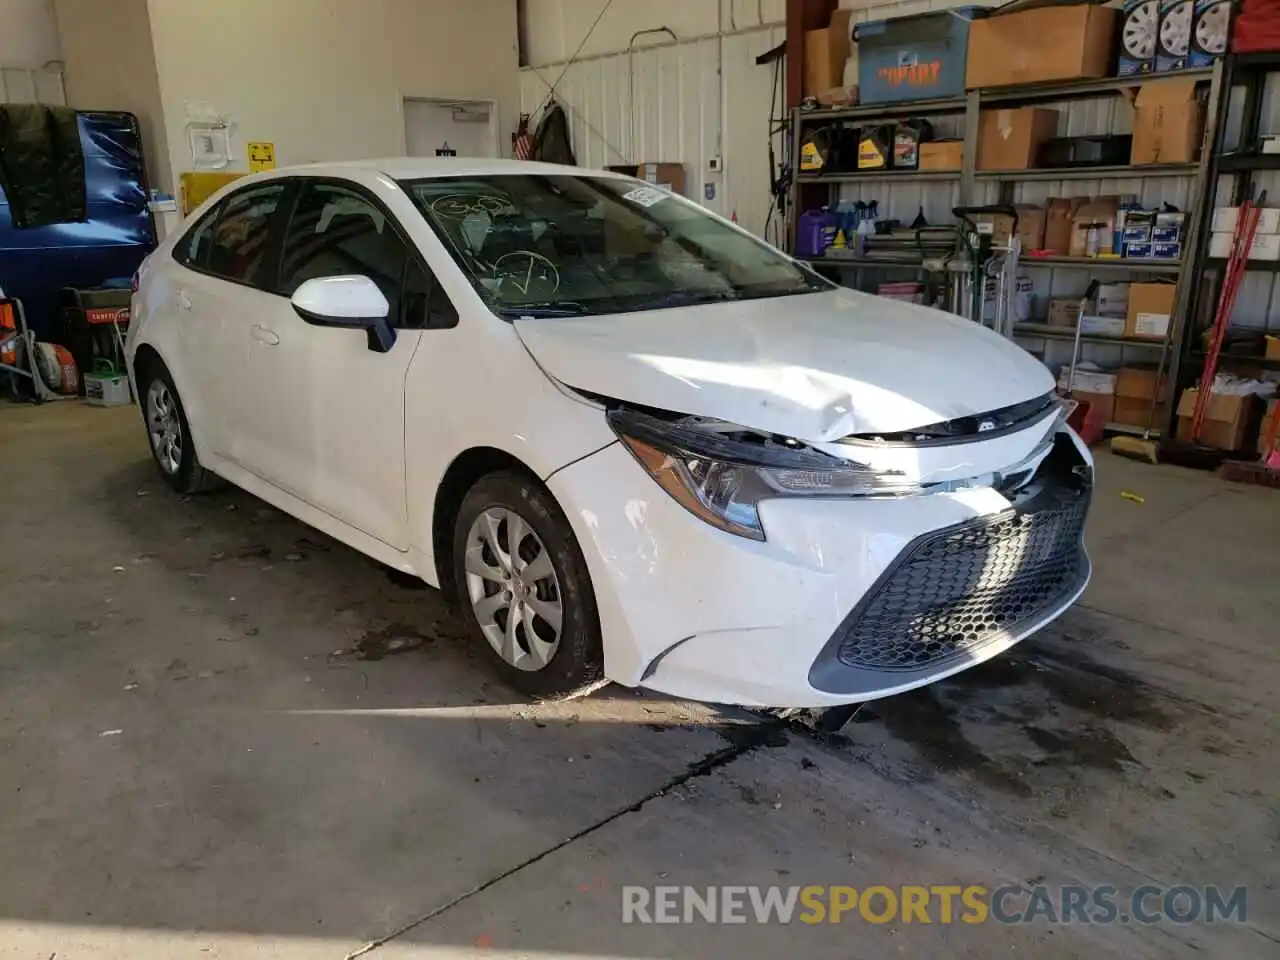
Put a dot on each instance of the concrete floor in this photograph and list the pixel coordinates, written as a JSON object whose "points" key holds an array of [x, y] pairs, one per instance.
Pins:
{"points": [[224, 735]]}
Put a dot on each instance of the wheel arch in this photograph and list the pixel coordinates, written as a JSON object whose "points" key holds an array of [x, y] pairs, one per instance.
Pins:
{"points": [[460, 476], [144, 356]]}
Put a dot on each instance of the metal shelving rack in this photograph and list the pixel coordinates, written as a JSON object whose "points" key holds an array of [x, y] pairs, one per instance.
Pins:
{"points": [[970, 106], [1249, 70]]}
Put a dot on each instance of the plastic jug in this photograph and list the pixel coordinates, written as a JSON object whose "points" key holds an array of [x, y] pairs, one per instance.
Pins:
{"points": [[815, 231]]}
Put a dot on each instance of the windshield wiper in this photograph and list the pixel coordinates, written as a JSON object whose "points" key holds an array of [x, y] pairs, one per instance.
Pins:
{"points": [[690, 298], [550, 308], [766, 293]]}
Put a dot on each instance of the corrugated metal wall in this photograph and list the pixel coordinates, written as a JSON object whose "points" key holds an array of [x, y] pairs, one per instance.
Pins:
{"points": [[668, 104], [20, 85]]}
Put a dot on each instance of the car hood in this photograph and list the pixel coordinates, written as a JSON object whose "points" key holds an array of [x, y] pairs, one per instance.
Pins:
{"points": [[816, 367]]}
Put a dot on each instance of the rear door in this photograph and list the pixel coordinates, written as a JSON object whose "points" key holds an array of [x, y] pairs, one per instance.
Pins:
{"points": [[218, 295]]}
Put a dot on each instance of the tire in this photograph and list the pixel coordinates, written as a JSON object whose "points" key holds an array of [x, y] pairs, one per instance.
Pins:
{"points": [[179, 466], [490, 581]]}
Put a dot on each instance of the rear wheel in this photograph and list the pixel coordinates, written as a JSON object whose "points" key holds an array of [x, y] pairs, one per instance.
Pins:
{"points": [[169, 433], [524, 587]]}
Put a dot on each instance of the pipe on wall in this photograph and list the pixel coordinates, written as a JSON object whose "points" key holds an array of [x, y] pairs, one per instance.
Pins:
{"points": [[631, 76]]}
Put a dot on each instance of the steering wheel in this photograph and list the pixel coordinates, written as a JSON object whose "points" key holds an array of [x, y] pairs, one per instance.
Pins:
{"points": [[525, 275], [459, 206]]}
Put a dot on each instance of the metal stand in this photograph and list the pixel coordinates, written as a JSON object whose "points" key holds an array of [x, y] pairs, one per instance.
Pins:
{"points": [[22, 338]]}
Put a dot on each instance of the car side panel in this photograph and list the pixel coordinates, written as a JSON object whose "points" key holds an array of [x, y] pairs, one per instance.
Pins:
{"points": [[475, 385]]}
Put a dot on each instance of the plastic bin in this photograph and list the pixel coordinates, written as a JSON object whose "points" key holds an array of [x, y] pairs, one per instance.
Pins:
{"points": [[914, 58]]}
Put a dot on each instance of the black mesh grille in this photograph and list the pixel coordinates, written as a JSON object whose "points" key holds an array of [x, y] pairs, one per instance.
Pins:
{"points": [[960, 587]]}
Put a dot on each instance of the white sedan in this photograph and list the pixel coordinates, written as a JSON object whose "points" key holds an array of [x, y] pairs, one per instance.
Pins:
{"points": [[634, 441]]}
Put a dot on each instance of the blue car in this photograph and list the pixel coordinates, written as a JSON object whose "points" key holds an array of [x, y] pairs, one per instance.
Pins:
{"points": [[35, 264]]}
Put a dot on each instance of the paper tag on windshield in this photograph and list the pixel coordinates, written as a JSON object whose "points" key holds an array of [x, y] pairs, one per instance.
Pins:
{"points": [[645, 196]]}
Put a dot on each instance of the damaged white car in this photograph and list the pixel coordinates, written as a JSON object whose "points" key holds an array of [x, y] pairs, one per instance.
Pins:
{"points": [[636, 442]]}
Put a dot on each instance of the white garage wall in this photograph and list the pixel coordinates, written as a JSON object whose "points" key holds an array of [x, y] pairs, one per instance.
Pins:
{"points": [[325, 79], [30, 55], [28, 36], [120, 75]]}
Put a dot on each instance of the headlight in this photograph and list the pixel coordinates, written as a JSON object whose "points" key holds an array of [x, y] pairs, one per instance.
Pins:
{"points": [[722, 479]]}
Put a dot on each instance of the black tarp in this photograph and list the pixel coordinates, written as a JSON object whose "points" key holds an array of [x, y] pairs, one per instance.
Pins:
{"points": [[551, 139], [42, 165]]}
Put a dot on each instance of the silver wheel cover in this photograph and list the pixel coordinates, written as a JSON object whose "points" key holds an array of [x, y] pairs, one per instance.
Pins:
{"points": [[164, 426], [513, 588]]}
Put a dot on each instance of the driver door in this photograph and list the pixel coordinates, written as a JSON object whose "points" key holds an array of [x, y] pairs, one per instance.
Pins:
{"points": [[327, 421]]}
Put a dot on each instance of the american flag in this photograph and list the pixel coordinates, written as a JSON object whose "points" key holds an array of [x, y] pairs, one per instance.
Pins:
{"points": [[522, 139]]}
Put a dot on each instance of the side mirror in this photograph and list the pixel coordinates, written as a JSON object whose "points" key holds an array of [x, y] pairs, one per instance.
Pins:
{"points": [[352, 302]]}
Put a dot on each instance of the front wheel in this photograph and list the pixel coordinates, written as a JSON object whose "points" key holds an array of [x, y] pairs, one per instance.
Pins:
{"points": [[524, 587], [169, 433]]}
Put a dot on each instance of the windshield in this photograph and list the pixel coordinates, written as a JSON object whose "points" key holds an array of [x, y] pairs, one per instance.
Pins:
{"points": [[535, 245]]}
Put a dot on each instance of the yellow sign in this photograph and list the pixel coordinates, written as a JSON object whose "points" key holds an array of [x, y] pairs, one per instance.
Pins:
{"points": [[262, 156]]}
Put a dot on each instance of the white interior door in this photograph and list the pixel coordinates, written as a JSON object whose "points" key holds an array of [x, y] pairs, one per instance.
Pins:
{"points": [[430, 125]]}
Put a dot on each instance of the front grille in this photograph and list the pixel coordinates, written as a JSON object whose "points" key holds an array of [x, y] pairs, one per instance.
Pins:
{"points": [[954, 590]]}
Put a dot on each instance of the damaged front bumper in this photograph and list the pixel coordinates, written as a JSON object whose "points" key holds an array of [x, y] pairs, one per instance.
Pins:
{"points": [[844, 599]]}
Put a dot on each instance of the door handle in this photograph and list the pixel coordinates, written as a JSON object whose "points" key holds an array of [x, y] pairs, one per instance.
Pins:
{"points": [[184, 302], [263, 335]]}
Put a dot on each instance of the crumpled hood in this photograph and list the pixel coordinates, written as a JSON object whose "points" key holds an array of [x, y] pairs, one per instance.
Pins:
{"points": [[816, 367]]}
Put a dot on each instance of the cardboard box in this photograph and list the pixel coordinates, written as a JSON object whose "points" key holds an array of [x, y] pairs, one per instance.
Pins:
{"points": [[1225, 421], [942, 155], [1168, 226], [1266, 246], [1008, 139], [1064, 312], [1090, 381], [825, 53], [1093, 227], [1101, 326], [1168, 123], [1136, 233], [1273, 348], [1032, 46], [1103, 403], [1135, 62], [1136, 387], [1133, 412], [1112, 300], [1264, 431], [1030, 225], [1138, 383], [669, 175], [1224, 220], [1059, 212], [1150, 309]]}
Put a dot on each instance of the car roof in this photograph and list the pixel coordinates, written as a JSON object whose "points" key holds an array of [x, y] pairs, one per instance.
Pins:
{"points": [[413, 168]]}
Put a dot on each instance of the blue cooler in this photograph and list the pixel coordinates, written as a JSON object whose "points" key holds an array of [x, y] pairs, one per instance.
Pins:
{"points": [[914, 58]]}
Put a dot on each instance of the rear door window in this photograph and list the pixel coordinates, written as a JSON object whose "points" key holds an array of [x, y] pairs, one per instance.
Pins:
{"points": [[239, 245], [193, 249]]}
